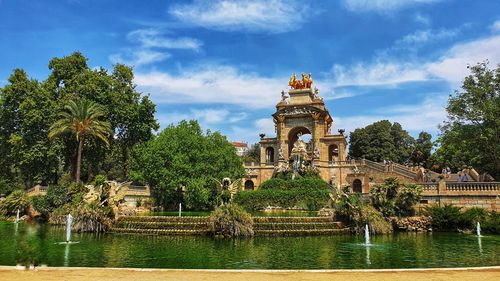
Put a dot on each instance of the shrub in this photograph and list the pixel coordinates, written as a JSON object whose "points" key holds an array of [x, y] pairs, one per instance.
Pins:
{"points": [[471, 216], [6, 187], [304, 198], [376, 222], [444, 218], [17, 200], [407, 196], [492, 223], [350, 209], [197, 195], [92, 217], [231, 220], [391, 198]]}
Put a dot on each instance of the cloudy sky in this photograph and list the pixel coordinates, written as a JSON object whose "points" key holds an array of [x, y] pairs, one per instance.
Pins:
{"points": [[226, 62]]}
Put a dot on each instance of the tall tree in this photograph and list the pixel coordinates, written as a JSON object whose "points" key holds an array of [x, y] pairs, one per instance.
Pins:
{"points": [[26, 111], [471, 135], [184, 155], [422, 151], [381, 141], [81, 119]]}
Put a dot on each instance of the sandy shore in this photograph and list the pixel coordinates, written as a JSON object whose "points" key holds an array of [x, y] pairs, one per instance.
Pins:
{"points": [[475, 274]]}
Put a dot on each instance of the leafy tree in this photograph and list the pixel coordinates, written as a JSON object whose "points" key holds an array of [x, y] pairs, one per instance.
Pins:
{"points": [[381, 141], [28, 108], [81, 119], [422, 151], [26, 111], [471, 135], [181, 156], [253, 154]]}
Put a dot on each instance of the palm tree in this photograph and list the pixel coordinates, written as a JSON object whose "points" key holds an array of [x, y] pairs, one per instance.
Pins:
{"points": [[81, 119]]}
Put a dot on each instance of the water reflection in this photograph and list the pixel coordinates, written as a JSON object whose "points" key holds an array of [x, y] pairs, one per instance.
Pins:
{"points": [[368, 262], [66, 255], [400, 250], [480, 245]]}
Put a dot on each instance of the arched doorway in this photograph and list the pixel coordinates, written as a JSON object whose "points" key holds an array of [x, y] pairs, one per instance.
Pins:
{"points": [[357, 186], [269, 155], [333, 153], [249, 185], [293, 135]]}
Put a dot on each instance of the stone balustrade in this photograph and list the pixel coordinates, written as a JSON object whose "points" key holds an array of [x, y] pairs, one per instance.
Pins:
{"points": [[473, 186], [37, 190]]}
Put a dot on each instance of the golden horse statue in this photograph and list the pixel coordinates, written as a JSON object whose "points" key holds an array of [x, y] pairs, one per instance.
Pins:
{"points": [[298, 84]]}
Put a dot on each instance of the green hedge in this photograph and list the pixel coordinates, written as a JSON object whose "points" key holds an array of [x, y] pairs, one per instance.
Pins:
{"points": [[305, 198], [284, 184]]}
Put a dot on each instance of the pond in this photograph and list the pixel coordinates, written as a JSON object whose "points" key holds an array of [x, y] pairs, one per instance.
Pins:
{"points": [[400, 250]]}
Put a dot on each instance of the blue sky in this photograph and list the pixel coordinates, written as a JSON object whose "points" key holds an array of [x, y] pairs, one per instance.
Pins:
{"points": [[226, 62]]}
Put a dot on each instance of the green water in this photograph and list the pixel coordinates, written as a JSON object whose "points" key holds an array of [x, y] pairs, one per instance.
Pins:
{"points": [[403, 250]]}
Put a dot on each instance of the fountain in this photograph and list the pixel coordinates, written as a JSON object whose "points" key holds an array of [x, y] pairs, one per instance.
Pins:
{"points": [[180, 209], [367, 236], [478, 229], [69, 221], [17, 216]]}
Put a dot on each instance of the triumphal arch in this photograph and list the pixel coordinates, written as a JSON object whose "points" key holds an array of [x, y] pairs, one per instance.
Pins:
{"points": [[304, 138]]}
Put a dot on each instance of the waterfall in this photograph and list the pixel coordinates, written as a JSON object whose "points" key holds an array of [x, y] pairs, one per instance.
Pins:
{"points": [[478, 229], [17, 216], [180, 209]]}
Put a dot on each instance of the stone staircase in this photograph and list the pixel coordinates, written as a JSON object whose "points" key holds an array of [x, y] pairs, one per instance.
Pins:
{"points": [[268, 226], [162, 225], [295, 226]]}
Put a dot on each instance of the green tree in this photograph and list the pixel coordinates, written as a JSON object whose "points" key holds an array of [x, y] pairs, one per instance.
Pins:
{"points": [[253, 154], [422, 151], [471, 135], [81, 119], [184, 156], [26, 111], [381, 141]]}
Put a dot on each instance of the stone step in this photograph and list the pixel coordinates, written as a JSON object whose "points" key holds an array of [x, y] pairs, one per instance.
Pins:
{"points": [[160, 231], [302, 232], [291, 219], [161, 225], [291, 226], [162, 219]]}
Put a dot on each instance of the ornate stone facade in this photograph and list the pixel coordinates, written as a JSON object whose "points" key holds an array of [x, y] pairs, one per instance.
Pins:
{"points": [[302, 112]]}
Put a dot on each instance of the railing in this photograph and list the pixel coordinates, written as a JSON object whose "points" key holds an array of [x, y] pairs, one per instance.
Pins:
{"points": [[473, 186], [375, 166], [429, 187], [37, 190], [403, 170]]}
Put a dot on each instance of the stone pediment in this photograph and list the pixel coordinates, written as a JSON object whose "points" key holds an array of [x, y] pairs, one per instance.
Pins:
{"points": [[297, 110]]}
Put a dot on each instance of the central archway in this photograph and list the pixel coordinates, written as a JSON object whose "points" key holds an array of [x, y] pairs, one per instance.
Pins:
{"points": [[293, 136]]}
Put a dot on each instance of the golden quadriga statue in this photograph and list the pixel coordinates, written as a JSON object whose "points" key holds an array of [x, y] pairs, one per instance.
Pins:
{"points": [[305, 83]]}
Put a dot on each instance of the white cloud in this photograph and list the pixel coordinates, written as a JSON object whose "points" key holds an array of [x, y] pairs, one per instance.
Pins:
{"points": [[274, 16], [206, 116], [149, 41], [152, 38], [266, 126], [139, 57], [452, 66], [212, 84], [418, 117], [495, 27], [424, 36], [423, 19], [378, 73], [382, 5]]}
